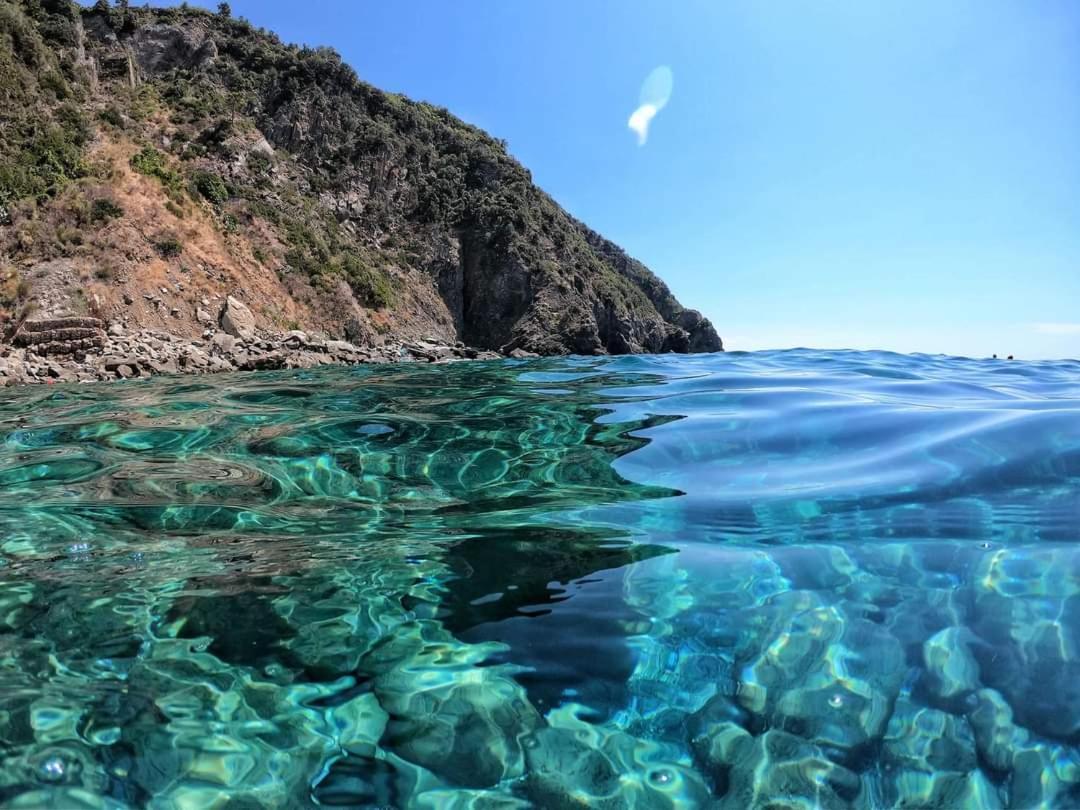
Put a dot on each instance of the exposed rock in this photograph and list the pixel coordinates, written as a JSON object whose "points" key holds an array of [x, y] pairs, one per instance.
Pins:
{"points": [[295, 339], [158, 48], [237, 320], [429, 235], [223, 342]]}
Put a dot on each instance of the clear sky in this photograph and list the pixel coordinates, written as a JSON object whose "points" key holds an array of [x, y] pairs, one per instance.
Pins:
{"points": [[831, 173]]}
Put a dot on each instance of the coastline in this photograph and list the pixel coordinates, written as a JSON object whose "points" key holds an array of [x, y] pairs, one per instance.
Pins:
{"points": [[117, 354]]}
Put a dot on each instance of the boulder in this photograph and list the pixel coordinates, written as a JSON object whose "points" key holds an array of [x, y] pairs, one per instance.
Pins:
{"points": [[223, 343], [237, 320], [294, 339]]}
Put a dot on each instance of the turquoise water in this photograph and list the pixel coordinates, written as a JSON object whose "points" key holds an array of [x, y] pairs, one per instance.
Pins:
{"points": [[792, 579]]}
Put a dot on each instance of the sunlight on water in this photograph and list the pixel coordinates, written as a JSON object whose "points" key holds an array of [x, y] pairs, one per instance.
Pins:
{"points": [[798, 579]]}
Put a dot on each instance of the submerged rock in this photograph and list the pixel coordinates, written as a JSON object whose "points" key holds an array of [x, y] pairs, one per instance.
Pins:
{"points": [[1027, 604], [573, 763], [996, 735], [828, 676], [928, 759], [926, 739], [781, 770], [950, 665], [447, 713]]}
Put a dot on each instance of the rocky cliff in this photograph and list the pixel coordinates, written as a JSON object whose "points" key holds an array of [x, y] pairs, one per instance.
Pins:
{"points": [[155, 161]]}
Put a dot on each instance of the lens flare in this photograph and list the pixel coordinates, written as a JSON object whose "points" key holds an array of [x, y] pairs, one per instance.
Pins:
{"points": [[655, 92]]}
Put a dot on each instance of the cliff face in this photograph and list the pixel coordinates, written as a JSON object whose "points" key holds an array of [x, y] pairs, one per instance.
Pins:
{"points": [[189, 156]]}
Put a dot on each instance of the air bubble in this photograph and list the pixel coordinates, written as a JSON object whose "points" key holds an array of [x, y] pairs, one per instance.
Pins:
{"points": [[53, 769], [836, 701]]}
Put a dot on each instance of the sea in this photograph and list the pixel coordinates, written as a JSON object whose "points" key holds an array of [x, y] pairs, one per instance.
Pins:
{"points": [[793, 579]]}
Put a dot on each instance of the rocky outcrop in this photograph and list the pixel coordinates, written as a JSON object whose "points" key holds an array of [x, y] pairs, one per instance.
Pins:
{"points": [[120, 354]]}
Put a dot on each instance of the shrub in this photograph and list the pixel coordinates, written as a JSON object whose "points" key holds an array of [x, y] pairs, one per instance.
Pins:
{"points": [[13, 288], [259, 163], [44, 166], [103, 209], [113, 117], [152, 163], [210, 186], [52, 80], [372, 287], [168, 246]]}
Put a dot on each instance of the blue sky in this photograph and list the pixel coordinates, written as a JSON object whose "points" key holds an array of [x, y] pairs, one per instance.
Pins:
{"points": [[902, 176]]}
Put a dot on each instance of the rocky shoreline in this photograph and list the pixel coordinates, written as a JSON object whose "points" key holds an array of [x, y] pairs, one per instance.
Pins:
{"points": [[76, 349]]}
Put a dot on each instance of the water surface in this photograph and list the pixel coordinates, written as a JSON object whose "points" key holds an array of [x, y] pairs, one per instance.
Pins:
{"points": [[788, 579]]}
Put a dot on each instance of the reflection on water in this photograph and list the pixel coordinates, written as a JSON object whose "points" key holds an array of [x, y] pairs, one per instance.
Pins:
{"points": [[799, 579]]}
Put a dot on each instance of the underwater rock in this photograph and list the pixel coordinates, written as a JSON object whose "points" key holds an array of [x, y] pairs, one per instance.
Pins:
{"points": [[782, 770], [816, 568], [563, 771], [822, 674], [718, 738], [66, 798], [449, 714], [929, 740], [996, 735], [353, 781], [1027, 604], [243, 628], [1045, 775], [916, 788], [951, 668], [928, 760], [337, 616], [573, 763], [1041, 773], [722, 747]]}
